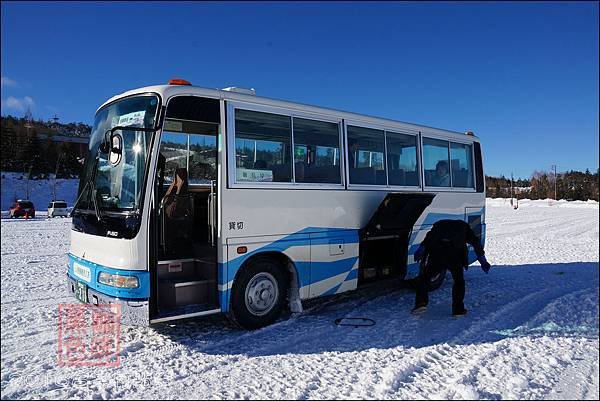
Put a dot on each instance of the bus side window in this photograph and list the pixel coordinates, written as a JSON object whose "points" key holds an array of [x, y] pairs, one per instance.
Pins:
{"points": [[366, 163], [317, 151], [402, 159], [461, 165], [436, 162], [262, 147]]}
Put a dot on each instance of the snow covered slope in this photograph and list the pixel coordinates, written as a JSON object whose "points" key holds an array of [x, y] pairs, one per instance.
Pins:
{"points": [[14, 186], [531, 331]]}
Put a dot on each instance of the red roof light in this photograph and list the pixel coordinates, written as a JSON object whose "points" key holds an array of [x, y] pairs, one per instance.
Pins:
{"points": [[179, 81]]}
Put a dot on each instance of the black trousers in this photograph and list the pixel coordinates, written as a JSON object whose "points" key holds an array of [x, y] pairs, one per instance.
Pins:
{"points": [[458, 288]]}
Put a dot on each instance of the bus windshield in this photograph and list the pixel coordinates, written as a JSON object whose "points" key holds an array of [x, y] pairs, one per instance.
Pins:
{"points": [[117, 186]]}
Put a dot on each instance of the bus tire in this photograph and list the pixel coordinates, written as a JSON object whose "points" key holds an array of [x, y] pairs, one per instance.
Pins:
{"points": [[258, 294]]}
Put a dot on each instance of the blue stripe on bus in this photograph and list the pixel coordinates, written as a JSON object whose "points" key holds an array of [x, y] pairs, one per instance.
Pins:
{"points": [[142, 292], [304, 237], [324, 270]]}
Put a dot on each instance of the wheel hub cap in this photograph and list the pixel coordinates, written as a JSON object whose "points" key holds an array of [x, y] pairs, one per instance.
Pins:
{"points": [[261, 294]]}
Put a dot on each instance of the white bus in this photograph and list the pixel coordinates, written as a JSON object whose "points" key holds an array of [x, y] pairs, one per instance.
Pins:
{"points": [[197, 201]]}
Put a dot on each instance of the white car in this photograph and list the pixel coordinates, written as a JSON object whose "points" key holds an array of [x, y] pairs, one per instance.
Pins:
{"points": [[57, 208]]}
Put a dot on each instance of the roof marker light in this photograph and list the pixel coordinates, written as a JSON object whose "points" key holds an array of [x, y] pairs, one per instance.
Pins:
{"points": [[179, 81]]}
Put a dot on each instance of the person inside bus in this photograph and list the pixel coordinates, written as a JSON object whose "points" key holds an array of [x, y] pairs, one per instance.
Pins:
{"points": [[441, 178], [177, 207], [445, 248]]}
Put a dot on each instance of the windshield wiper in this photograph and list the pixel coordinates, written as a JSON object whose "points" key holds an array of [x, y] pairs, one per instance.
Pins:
{"points": [[96, 208], [74, 208], [87, 184], [94, 192]]}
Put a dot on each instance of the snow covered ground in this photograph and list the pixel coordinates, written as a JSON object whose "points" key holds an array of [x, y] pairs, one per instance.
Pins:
{"points": [[531, 331]]}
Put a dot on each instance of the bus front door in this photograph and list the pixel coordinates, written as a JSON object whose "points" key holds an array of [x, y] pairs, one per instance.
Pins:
{"points": [[186, 257]]}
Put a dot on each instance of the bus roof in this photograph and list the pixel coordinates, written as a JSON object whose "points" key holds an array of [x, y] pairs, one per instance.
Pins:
{"points": [[167, 91]]}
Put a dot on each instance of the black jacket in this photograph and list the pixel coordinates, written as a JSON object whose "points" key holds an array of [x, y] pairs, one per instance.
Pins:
{"points": [[447, 243]]}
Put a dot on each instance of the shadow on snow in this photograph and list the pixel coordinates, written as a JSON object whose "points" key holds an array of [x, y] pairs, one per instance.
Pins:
{"points": [[510, 301]]}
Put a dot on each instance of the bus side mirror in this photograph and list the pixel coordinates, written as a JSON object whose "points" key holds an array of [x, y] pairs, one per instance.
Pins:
{"points": [[116, 148], [104, 147]]}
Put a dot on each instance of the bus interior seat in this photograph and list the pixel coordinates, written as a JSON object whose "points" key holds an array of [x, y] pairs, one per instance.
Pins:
{"points": [[380, 177], [411, 178], [429, 177], [300, 171], [362, 175], [460, 178], [281, 172], [397, 177], [327, 174], [260, 165]]}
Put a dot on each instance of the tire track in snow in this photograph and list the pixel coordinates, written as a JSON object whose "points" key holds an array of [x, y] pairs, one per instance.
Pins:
{"points": [[457, 364]]}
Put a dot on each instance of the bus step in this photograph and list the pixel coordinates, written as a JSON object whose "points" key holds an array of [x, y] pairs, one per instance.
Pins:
{"points": [[176, 293], [186, 311]]}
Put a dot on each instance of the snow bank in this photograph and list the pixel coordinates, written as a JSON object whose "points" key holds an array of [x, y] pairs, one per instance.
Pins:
{"points": [[14, 186], [563, 203]]}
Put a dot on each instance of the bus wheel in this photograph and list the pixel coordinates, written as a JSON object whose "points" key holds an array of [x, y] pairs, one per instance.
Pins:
{"points": [[258, 294]]}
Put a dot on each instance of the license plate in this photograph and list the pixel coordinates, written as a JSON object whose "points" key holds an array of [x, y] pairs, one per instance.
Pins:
{"points": [[82, 272], [81, 291]]}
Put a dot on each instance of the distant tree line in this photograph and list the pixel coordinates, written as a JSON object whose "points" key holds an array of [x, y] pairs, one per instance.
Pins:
{"points": [[570, 185], [27, 146]]}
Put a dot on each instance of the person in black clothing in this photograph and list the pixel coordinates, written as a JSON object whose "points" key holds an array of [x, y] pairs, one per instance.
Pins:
{"points": [[445, 247]]}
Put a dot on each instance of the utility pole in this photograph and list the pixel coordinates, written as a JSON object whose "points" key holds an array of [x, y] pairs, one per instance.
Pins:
{"points": [[511, 189], [55, 176], [28, 175], [554, 167]]}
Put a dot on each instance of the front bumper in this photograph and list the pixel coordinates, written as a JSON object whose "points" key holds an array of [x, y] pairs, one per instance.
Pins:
{"points": [[133, 312]]}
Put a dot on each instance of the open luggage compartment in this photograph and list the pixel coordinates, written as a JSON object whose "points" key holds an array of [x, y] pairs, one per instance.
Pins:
{"points": [[383, 245]]}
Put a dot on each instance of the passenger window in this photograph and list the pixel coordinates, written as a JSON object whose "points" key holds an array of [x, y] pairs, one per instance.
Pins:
{"points": [[262, 147], [436, 163], [366, 163], [193, 147], [461, 165], [316, 151], [203, 159], [402, 159], [173, 147]]}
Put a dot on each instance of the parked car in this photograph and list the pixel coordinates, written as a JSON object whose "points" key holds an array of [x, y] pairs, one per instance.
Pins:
{"points": [[57, 208], [21, 208]]}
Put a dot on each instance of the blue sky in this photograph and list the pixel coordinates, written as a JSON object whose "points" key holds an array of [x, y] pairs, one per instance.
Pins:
{"points": [[522, 76]]}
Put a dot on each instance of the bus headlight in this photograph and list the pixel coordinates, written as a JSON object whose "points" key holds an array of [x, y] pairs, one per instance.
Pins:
{"points": [[115, 280]]}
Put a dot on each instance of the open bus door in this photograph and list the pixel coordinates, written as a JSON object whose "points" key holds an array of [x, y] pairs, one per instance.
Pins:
{"points": [[184, 270]]}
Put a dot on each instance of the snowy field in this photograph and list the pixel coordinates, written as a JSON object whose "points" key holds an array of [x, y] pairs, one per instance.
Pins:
{"points": [[531, 331]]}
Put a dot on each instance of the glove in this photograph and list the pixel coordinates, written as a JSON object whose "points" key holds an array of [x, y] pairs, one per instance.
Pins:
{"points": [[485, 265], [419, 253]]}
